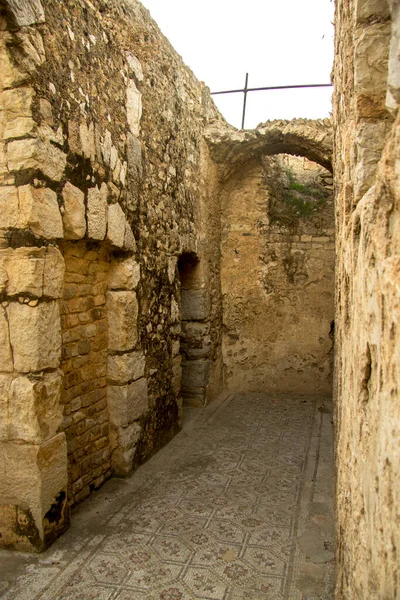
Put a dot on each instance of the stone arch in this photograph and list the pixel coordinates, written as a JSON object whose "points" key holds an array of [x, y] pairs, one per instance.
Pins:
{"points": [[232, 149], [276, 276]]}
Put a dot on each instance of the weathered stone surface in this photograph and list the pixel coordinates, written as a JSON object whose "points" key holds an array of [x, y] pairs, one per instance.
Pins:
{"points": [[123, 368], [34, 413], [74, 212], [39, 212], [36, 154], [367, 419], [34, 271], [86, 135], [9, 207], [129, 241], [35, 335], [127, 403], [393, 91], [116, 226], [370, 140], [133, 107], [124, 275], [123, 441], [135, 66], [371, 65], [194, 305], [27, 12], [6, 359], [97, 212], [366, 10], [34, 481], [5, 383], [122, 309], [195, 375], [16, 112]]}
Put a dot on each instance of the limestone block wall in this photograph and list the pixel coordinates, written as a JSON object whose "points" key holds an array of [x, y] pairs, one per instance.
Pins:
{"points": [[278, 257], [367, 419], [103, 185]]}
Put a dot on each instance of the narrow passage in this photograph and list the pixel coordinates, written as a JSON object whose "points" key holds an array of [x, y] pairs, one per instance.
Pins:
{"points": [[239, 506]]}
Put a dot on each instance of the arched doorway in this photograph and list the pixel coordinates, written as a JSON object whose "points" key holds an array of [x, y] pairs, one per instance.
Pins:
{"points": [[277, 273]]}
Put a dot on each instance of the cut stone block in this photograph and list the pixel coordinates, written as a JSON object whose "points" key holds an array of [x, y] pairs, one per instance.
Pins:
{"points": [[6, 359], [36, 154], [129, 241], [367, 9], [74, 212], [34, 271], [135, 65], [123, 368], [194, 305], [27, 12], [124, 275], [116, 226], [86, 135], [122, 310], [34, 411], [127, 403], [39, 212], [9, 207], [33, 501], [195, 374], [371, 60], [5, 383], [133, 107], [123, 443], [97, 212], [17, 112], [35, 335]]}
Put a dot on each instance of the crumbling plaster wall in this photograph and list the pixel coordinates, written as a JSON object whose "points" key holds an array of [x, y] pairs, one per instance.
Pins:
{"points": [[277, 276], [104, 184], [366, 159]]}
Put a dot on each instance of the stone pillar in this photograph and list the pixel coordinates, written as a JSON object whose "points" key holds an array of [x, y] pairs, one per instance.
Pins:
{"points": [[127, 386], [33, 455]]}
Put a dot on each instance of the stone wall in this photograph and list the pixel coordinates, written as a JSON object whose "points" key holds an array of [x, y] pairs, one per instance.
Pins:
{"points": [[103, 188], [367, 152], [278, 278]]}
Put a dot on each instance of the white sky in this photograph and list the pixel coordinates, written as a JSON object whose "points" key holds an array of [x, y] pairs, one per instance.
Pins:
{"points": [[278, 42]]}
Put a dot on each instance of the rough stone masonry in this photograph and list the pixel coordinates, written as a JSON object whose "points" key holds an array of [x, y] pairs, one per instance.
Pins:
{"points": [[139, 236]]}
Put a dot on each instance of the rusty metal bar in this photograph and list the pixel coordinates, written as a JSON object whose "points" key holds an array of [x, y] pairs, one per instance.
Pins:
{"points": [[246, 89], [245, 99], [275, 87]]}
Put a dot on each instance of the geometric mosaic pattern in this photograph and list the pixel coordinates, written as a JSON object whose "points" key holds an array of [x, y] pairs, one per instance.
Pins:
{"points": [[213, 516]]}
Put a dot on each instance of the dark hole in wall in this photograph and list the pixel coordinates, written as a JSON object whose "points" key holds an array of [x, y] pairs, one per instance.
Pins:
{"points": [[194, 342], [187, 263]]}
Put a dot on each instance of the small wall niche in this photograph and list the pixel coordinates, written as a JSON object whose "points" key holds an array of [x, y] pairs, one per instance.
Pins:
{"points": [[195, 331]]}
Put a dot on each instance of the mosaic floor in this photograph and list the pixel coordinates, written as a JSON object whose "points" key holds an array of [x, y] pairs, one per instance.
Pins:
{"points": [[237, 507]]}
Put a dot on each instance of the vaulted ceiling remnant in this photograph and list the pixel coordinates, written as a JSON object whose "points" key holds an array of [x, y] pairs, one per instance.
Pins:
{"points": [[231, 148]]}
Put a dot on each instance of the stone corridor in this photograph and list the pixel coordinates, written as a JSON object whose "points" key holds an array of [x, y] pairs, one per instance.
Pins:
{"points": [[239, 506]]}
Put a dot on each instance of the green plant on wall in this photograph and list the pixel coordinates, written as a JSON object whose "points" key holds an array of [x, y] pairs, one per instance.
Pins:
{"points": [[294, 200]]}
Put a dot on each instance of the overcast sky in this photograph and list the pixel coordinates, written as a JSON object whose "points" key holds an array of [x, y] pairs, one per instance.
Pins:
{"points": [[285, 42]]}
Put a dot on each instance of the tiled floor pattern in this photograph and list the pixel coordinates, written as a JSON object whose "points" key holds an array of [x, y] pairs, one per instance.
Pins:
{"points": [[213, 516]]}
